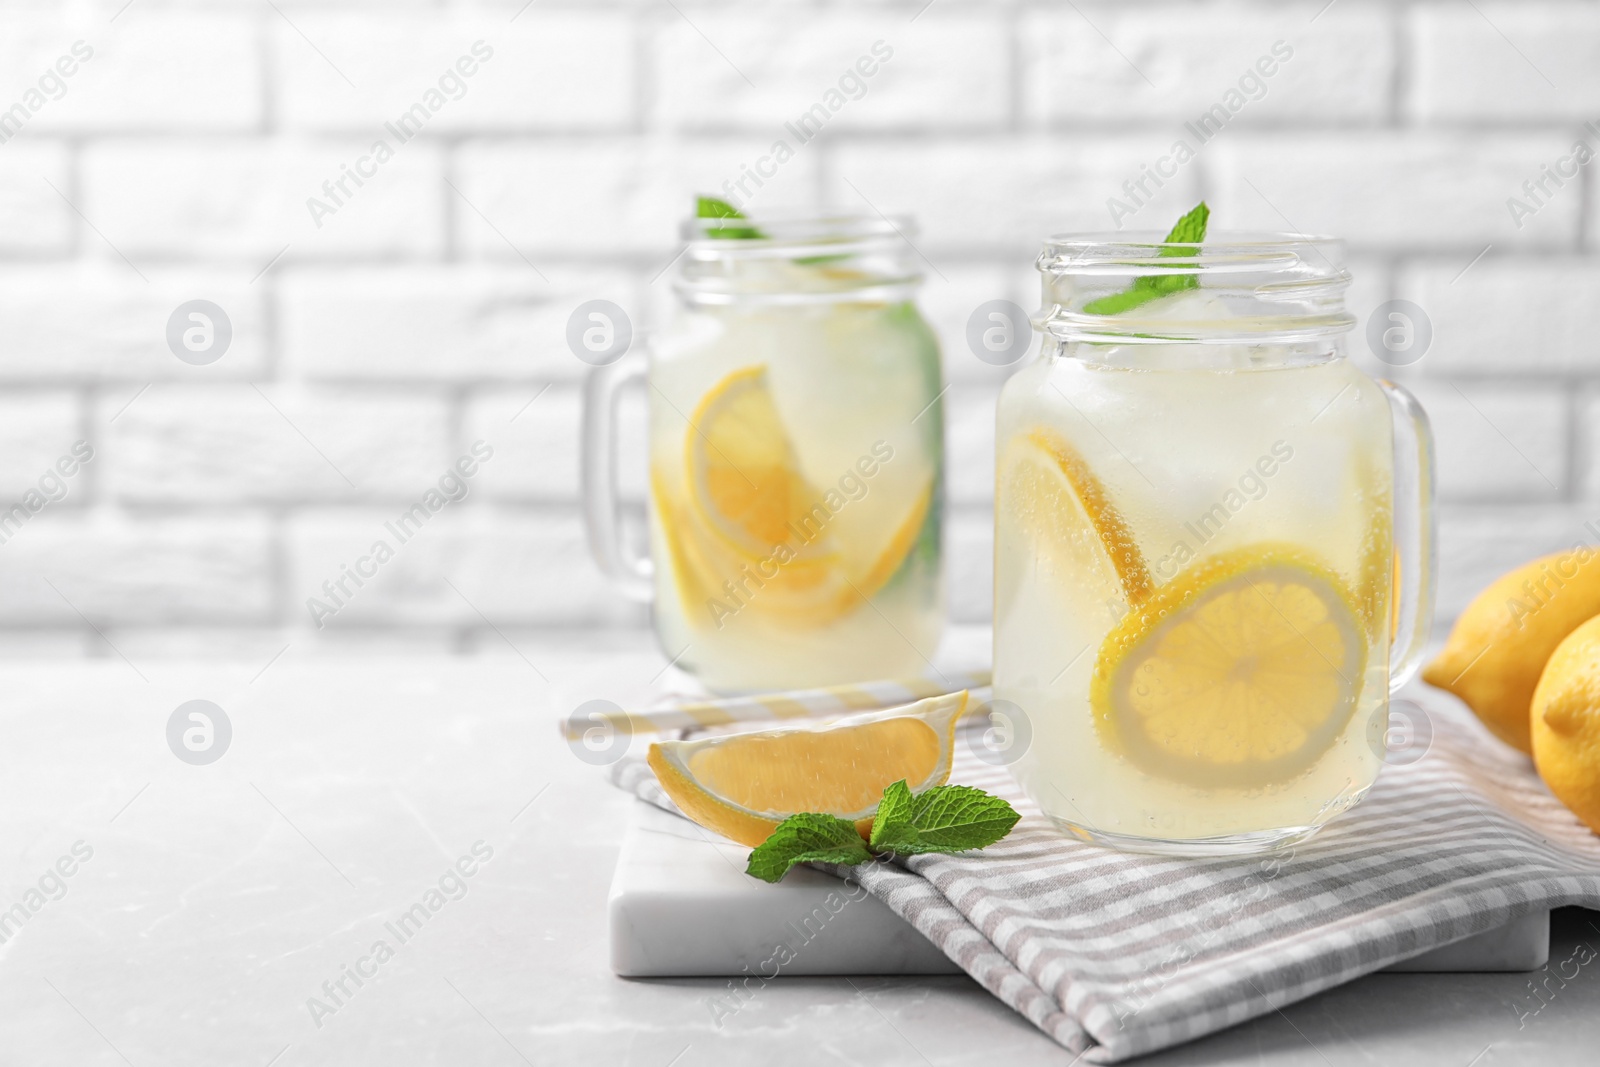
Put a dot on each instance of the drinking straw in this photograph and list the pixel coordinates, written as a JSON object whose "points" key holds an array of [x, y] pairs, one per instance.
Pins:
{"points": [[791, 704]]}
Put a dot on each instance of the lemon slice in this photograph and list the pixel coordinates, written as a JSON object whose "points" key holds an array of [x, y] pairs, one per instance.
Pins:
{"points": [[801, 592], [887, 565], [746, 498], [805, 592], [743, 785], [1240, 673], [690, 570], [1074, 527], [744, 476]]}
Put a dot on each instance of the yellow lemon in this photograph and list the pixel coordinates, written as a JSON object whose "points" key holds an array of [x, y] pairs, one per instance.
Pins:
{"points": [[1499, 645], [1565, 723], [1241, 672], [1072, 524], [743, 785]]}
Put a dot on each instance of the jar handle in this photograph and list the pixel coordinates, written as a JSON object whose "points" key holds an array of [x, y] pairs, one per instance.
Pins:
{"points": [[631, 573], [1416, 533]]}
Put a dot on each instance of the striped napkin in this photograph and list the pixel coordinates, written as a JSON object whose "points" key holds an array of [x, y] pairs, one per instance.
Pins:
{"points": [[1116, 955], [694, 713]]}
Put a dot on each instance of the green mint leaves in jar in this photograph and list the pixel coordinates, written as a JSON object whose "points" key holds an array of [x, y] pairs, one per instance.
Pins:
{"points": [[1190, 230]]}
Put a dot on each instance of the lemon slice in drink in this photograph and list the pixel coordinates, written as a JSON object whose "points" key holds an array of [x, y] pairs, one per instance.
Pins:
{"points": [[905, 536], [1240, 673], [743, 473], [743, 785], [800, 592], [1070, 520], [748, 497]]}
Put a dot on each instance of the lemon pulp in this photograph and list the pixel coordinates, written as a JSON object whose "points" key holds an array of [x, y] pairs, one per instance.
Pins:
{"points": [[1240, 673]]}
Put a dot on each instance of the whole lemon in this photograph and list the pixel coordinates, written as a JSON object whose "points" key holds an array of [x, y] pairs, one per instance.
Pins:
{"points": [[1499, 645], [1566, 723]]}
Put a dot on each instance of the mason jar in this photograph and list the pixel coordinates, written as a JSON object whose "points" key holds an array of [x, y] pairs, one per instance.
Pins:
{"points": [[796, 452], [1213, 545]]}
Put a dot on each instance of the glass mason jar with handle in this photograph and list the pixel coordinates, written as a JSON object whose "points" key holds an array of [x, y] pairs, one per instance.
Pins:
{"points": [[1213, 545], [796, 445]]}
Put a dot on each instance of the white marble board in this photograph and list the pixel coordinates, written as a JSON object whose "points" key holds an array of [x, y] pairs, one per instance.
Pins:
{"points": [[682, 906]]}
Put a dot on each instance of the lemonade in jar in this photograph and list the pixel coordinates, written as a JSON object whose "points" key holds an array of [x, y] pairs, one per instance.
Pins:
{"points": [[1213, 543], [796, 444]]}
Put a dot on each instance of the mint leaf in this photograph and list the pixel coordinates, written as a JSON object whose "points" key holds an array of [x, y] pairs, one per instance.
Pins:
{"points": [[949, 818], [709, 207], [807, 838], [894, 814], [945, 818], [1191, 229], [1127, 300]]}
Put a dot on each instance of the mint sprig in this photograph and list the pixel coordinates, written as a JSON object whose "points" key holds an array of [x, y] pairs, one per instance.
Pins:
{"points": [[709, 207], [1191, 229], [945, 818]]}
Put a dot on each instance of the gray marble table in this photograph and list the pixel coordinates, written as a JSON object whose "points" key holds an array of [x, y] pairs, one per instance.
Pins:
{"points": [[178, 913]]}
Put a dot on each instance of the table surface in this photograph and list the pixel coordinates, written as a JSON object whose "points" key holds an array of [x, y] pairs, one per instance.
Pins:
{"points": [[219, 899]]}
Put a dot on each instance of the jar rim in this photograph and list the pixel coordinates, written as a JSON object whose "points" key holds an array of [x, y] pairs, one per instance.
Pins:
{"points": [[856, 256], [786, 228], [1276, 287], [1224, 253]]}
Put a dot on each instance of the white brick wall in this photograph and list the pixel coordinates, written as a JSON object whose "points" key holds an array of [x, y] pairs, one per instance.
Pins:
{"points": [[185, 70], [437, 323], [1174, 62], [1401, 190], [1465, 71], [548, 71], [282, 444], [96, 322], [242, 199], [429, 310], [33, 219], [942, 71]]}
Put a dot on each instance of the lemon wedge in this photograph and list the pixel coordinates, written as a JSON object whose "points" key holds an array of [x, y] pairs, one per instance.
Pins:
{"points": [[743, 785], [1240, 673]]}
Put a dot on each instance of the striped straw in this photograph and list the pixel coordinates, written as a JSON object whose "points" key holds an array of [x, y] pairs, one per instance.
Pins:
{"points": [[794, 704]]}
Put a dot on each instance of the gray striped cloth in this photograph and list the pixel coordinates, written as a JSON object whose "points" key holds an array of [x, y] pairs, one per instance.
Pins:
{"points": [[1115, 955]]}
